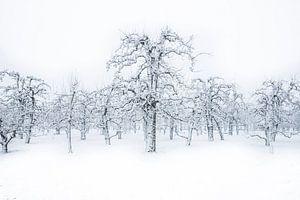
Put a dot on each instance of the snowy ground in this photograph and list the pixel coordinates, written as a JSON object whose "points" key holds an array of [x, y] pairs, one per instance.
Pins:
{"points": [[237, 168]]}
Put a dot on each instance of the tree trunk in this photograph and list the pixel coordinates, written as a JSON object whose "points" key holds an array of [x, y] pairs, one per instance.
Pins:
{"points": [[106, 132], [119, 133], [220, 130], [267, 134], [176, 129], [237, 128], [4, 147], [210, 133], [107, 140], [171, 129], [151, 138], [27, 139], [190, 134], [103, 131], [69, 131], [70, 137], [134, 127], [145, 127], [273, 137], [57, 131], [28, 136], [83, 134], [230, 127], [210, 130], [225, 127], [21, 124], [274, 133]]}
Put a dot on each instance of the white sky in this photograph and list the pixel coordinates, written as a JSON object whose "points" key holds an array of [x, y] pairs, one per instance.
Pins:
{"points": [[250, 40]]}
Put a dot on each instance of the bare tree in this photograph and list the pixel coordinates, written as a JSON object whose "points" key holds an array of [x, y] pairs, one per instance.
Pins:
{"points": [[27, 93], [273, 108], [86, 103], [104, 110], [36, 89], [148, 60], [234, 107], [210, 99], [8, 126], [71, 105], [10, 118], [58, 113], [13, 85]]}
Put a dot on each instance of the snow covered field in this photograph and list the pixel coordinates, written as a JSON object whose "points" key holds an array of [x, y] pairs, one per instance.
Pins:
{"points": [[237, 168]]}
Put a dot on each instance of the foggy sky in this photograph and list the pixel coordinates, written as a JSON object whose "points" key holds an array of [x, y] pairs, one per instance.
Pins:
{"points": [[249, 40]]}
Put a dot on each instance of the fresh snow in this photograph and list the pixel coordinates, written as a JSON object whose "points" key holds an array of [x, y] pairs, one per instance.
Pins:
{"points": [[237, 168]]}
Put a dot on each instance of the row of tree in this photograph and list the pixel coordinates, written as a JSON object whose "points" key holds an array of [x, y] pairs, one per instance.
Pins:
{"points": [[148, 93]]}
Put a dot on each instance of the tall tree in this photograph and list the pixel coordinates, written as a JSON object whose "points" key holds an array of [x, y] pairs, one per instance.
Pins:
{"points": [[36, 89], [149, 62], [71, 103]]}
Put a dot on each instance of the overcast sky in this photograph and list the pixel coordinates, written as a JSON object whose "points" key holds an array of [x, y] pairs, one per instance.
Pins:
{"points": [[249, 40]]}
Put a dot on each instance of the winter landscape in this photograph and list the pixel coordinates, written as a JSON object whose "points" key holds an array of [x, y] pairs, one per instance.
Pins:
{"points": [[99, 101]]}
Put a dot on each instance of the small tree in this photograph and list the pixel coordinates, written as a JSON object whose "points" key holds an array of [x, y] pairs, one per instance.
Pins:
{"points": [[234, 106], [84, 112], [58, 113], [71, 102], [8, 125]]}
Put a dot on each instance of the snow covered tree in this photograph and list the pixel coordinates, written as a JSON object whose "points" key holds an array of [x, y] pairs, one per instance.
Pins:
{"points": [[58, 113], [294, 100], [8, 125], [148, 63], [173, 112], [27, 93], [273, 108], [43, 120], [85, 106], [210, 99], [179, 109], [110, 110], [234, 107], [71, 100], [36, 89], [247, 117], [13, 87], [11, 120]]}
